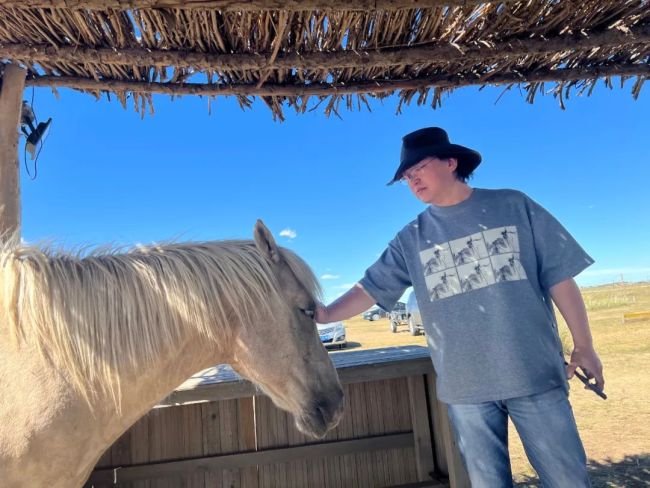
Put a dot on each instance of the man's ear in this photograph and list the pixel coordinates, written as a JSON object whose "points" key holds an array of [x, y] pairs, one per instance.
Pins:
{"points": [[265, 243], [453, 163]]}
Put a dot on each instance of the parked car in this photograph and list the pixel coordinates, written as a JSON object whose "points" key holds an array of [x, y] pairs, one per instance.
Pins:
{"points": [[332, 335], [398, 316], [414, 318], [374, 314]]}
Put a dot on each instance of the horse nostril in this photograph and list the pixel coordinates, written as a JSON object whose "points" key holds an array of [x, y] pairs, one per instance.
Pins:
{"points": [[331, 406]]}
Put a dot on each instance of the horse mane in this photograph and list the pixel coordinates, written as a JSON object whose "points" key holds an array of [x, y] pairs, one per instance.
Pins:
{"points": [[100, 315]]}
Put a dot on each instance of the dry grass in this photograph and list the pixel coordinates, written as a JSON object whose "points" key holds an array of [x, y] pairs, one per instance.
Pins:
{"points": [[615, 432]]}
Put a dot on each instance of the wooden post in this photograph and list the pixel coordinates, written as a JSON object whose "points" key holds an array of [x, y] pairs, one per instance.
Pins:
{"points": [[421, 429], [11, 94], [445, 443]]}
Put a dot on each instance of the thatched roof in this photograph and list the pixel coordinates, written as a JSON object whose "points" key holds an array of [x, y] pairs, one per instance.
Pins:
{"points": [[287, 51]]}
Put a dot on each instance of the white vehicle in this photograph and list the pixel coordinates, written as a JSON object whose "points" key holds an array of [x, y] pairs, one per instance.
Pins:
{"points": [[413, 314], [332, 335]]}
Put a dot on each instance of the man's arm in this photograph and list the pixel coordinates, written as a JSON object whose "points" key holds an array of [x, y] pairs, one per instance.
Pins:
{"points": [[352, 303], [568, 299]]}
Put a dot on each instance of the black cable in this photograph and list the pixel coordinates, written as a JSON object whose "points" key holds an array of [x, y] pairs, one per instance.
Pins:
{"points": [[39, 149], [32, 106]]}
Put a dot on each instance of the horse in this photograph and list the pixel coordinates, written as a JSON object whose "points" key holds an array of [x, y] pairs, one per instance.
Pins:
{"points": [[89, 344], [508, 271], [433, 264], [468, 253], [501, 244], [475, 279], [440, 289]]}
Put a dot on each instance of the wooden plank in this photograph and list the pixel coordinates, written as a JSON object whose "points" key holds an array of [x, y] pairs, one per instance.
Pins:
{"points": [[229, 441], [210, 392], [11, 96], [458, 477], [240, 460], [352, 367], [421, 427], [436, 420], [192, 444], [406, 457], [247, 439], [360, 429], [299, 468], [332, 465], [264, 437], [378, 464], [388, 409], [279, 419], [345, 431], [139, 446], [211, 438], [165, 436]]}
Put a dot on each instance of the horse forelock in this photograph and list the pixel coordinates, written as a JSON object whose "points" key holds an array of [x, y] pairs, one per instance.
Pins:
{"points": [[102, 315], [303, 273]]}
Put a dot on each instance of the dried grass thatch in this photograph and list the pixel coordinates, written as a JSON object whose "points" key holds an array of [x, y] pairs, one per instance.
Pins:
{"points": [[288, 51]]}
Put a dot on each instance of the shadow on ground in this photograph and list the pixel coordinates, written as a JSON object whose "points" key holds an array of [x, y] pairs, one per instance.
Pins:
{"points": [[630, 472]]}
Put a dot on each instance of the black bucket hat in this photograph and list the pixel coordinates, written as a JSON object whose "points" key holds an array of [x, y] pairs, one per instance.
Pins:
{"points": [[433, 141]]}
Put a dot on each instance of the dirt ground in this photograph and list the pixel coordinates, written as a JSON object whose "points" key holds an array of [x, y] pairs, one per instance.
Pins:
{"points": [[616, 431]]}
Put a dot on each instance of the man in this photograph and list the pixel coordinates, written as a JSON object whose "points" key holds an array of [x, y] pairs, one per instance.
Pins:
{"points": [[484, 265]]}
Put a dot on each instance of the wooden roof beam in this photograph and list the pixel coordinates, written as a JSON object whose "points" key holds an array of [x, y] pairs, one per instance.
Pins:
{"points": [[322, 60], [244, 6], [326, 89]]}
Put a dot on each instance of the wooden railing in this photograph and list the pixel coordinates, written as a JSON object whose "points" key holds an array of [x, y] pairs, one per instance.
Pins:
{"points": [[217, 430]]}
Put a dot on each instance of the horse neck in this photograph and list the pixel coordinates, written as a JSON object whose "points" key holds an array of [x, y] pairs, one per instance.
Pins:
{"points": [[141, 390]]}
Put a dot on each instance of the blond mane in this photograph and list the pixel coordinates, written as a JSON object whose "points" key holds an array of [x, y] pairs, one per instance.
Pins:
{"points": [[101, 315]]}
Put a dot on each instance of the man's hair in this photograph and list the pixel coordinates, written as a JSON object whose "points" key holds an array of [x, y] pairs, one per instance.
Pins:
{"points": [[462, 172]]}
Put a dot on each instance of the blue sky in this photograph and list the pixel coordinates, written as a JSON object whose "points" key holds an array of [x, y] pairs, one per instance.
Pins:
{"points": [[107, 176]]}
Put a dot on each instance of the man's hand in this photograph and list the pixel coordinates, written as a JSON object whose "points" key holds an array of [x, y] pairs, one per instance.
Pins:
{"points": [[321, 315], [589, 362], [351, 303]]}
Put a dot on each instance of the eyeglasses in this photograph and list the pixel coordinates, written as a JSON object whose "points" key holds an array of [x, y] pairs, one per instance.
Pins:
{"points": [[411, 173]]}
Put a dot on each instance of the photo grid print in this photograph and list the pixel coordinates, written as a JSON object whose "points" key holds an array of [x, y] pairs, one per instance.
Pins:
{"points": [[472, 262]]}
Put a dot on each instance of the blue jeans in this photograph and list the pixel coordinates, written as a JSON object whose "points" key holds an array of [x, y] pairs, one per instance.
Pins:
{"points": [[548, 433]]}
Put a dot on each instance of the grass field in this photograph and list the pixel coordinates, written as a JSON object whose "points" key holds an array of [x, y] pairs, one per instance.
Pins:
{"points": [[615, 432]]}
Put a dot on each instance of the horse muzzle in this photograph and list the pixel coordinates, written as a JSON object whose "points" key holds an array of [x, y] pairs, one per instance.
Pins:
{"points": [[322, 415]]}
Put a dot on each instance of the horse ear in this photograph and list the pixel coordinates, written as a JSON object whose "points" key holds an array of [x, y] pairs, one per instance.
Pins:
{"points": [[265, 242]]}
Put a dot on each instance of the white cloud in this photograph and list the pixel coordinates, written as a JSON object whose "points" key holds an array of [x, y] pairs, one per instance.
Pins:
{"points": [[328, 276], [289, 233]]}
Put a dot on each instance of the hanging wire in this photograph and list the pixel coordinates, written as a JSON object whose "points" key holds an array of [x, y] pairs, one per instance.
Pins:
{"points": [[42, 143]]}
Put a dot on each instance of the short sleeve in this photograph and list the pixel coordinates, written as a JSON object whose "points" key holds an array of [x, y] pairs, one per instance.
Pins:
{"points": [[388, 277], [559, 256]]}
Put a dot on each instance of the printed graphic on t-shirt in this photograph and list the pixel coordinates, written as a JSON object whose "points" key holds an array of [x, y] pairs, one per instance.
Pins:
{"points": [[472, 262]]}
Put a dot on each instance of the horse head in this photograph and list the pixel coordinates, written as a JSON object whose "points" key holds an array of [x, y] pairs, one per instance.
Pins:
{"points": [[282, 353]]}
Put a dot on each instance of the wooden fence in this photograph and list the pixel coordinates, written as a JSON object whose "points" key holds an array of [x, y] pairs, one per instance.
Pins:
{"points": [[216, 430]]}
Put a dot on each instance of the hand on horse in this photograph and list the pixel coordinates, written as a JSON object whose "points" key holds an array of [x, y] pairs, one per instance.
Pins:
{"points": [[321, 315], [589, 362]]}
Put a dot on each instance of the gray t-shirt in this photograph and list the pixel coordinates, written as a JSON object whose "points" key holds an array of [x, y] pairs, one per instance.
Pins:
{"points": [[481, 271]]}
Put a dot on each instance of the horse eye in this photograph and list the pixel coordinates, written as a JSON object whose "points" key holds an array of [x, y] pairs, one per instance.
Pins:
{"points": [[308, 313]]}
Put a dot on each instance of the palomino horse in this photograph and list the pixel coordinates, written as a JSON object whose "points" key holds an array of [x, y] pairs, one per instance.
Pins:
{"points": [[89, 345]]}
